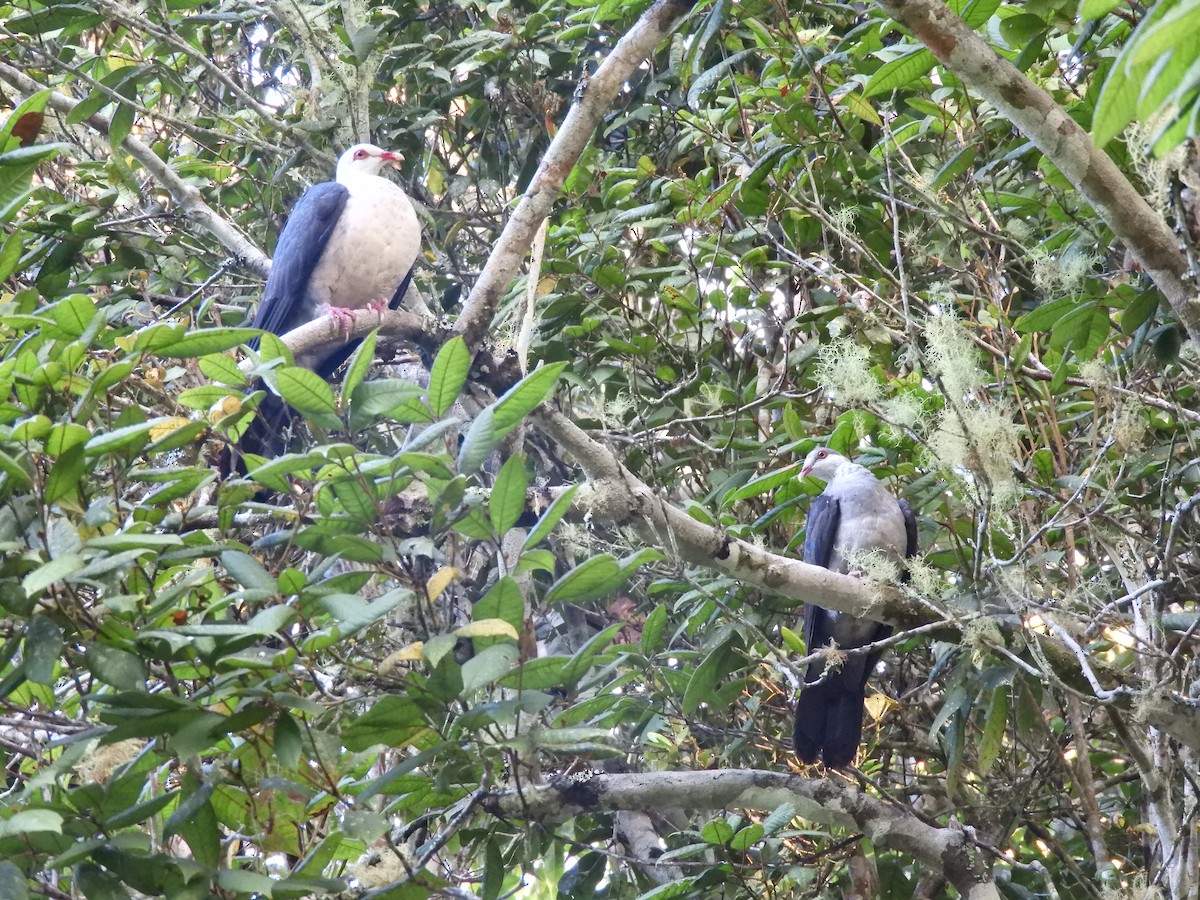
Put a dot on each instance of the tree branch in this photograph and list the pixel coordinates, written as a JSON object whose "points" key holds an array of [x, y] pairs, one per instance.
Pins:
{"points": [[573, 136], [324, 333], [237, 244], [828, 801], [616, 495], [1033, 111]]}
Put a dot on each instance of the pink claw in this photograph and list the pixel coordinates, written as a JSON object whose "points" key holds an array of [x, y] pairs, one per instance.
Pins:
{"points": [[379, 306], [344, 318]]}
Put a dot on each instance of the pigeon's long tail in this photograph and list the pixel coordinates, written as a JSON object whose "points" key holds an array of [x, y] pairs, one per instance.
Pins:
{"points": [[829, 719]]}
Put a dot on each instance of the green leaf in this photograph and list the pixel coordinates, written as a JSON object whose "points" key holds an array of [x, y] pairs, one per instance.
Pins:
{"points": [[539, 674], [779, 818], [10, 253], [32, 105], [716, 200], [708, 80], [120, 124], [1118, 100], [55, 570], [448, 375], [196, 822], [394, 398], [123, 670], [551, 517], [248, 571], [652, 631], [288, 741], [899, 72], [391, 720], [13, 885], [43, 646], [222, 368], [581, 662], [710, 673], [360, 364], [1176, 31], [590, 580], [523, 397], [74, 314], [121, 439], [993, 729], [31, 821], [502, 601], [488, 666], [1084, 329], [1140, 311], [718, 833], [957, 164], [1094, 9], [763, 484], [207, 341], [1042, 318], [746, 837], [478, 442], [309, 394], [507, 500]]}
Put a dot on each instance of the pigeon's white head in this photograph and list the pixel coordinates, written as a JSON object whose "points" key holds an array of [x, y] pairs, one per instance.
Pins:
{"points": [[823, 463], [365, 159]]}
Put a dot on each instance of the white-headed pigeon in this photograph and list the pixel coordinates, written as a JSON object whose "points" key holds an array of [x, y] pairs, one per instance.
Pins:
{"points": [[853, 515], [349, 245]]}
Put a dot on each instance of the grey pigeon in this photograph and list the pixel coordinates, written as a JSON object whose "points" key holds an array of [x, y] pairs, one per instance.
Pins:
{"points": [[854, 514]]}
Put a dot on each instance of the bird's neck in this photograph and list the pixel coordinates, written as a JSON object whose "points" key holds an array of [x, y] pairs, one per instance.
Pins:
{"points": [[851, 472], [350, 177]]}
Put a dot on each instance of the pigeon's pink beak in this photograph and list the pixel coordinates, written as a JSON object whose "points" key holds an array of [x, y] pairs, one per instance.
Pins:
{"points": [[393, 158], [806, 471]]}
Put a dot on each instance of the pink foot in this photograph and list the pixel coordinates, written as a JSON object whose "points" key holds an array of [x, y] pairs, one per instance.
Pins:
{"points": [[344, 318], [379, 306]]}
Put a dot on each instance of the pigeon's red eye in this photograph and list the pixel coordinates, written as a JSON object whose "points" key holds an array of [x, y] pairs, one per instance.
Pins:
{"points": [[360, 154], [821, 454]]}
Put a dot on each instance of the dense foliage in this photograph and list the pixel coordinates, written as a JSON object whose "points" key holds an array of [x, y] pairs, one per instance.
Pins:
{"points": [[793, 227]]}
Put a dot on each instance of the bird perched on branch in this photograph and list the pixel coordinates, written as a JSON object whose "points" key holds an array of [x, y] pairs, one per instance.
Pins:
{"points": [[349, 245], [854, 515]]}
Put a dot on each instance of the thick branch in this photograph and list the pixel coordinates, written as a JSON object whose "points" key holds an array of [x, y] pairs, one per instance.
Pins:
{"points": [[236, 243], [576, 131], [324, 332], [825, 800], [1034, 112], [614, 494]]}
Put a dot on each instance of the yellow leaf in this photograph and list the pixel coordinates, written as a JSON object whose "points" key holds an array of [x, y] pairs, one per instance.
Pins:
{"points": [[226, 406], [861, 107], [405, 654], [440, 581], [160, 431], [546, 285], [876, 705], [487, 628]]}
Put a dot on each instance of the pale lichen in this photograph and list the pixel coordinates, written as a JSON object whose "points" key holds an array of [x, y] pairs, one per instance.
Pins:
{"points": [[973, 437], [1062, 274], [981, 637], [99, 765], [903, 411], [843, 369]]}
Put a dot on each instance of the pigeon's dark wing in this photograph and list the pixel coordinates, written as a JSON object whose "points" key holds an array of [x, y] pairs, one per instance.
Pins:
{"points": [[300, 246], [829, 714]]}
